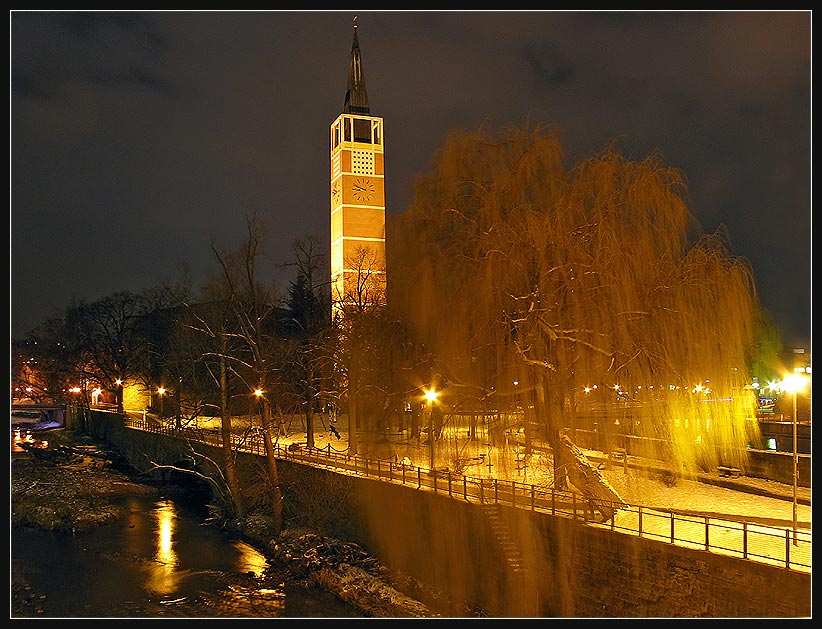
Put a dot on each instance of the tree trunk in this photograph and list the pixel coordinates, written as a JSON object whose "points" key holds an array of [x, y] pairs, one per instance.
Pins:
{"points": [[353, 383], [273, 473], [229, 455], [551, 413], [119, 399], [587, 478], [415, 421], [309, 425]]}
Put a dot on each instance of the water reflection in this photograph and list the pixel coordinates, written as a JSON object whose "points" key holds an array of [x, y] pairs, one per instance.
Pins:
{"points": [[250, 560], [21, 439], [161, 560], [164, 578]]}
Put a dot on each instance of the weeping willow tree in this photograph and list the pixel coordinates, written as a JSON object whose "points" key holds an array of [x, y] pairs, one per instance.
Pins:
{"points": [[589, 291]]}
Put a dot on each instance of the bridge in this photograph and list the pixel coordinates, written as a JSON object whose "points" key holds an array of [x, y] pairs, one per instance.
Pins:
{"points": [[39, 415], [37, 407]]}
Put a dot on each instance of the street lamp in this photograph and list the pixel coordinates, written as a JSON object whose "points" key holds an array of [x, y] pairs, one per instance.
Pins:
{"points": [[160, 392], [259, 395], [431, 397], [794, 383]]}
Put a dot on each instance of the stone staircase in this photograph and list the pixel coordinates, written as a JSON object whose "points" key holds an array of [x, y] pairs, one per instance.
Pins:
{"points": [[505, 541]]}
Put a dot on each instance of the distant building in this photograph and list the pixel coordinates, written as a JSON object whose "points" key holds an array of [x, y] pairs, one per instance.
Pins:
{"points": [[797, 359]]}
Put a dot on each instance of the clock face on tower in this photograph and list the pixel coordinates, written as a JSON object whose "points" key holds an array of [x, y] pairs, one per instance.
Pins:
{"points": [[363, 189]]}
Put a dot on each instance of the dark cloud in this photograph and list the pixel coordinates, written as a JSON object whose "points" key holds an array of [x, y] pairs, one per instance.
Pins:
{"points": [[53, 51], [550, 67]]}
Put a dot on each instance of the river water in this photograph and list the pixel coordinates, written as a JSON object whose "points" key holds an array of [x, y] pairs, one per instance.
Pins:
{"points": [[163, 559]]}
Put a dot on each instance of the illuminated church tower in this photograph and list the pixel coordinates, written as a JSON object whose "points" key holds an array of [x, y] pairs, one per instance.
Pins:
{"points": [[357, 198]]}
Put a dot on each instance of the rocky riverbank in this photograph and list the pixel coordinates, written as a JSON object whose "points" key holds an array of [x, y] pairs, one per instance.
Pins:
{"points": [[69, 486]]}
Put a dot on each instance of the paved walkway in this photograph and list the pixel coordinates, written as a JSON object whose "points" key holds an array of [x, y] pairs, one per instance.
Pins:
{"points": [[754, 499]]}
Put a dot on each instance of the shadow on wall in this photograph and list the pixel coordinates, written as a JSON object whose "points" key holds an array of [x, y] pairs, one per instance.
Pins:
{"points": [[476, 553]]}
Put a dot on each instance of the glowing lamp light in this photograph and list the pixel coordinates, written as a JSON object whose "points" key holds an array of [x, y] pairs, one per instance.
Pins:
{"points": [[161, 391], [74, 390], [431, 395], [794, 383], [258, 392]]}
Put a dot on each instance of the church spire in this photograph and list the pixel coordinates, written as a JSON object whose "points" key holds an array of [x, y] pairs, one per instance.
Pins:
{"points": [[356, 100]]}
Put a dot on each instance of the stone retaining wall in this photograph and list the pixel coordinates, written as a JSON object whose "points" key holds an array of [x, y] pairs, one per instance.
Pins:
{"points": [[512, 562]]}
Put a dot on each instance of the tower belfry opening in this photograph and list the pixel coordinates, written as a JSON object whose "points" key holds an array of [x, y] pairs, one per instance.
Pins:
{"points": [[357, 178]]}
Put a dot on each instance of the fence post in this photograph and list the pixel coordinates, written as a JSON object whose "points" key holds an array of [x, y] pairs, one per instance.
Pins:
{"points": [[672, 527], [449, 482], [745, 539], [639, 523], [419, 477], [707, 537], [787, 548]]}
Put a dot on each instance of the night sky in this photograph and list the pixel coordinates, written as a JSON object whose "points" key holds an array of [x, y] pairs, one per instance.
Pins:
{"points": [[138, 139]]}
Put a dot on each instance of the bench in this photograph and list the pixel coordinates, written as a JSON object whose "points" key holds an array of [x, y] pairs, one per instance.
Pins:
{"points": [[618, 455], [731, 472]]}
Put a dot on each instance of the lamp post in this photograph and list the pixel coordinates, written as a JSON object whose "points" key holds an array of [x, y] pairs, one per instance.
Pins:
{"points": [[258, 393], [119, 394], [160, 392], [431, 396], [794, 383]]}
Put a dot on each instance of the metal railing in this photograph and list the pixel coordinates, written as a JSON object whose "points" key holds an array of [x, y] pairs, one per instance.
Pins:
{"points": [[747, 540]]}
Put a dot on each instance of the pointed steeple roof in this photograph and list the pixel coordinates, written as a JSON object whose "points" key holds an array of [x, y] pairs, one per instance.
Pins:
{"points": [[356, 100]]}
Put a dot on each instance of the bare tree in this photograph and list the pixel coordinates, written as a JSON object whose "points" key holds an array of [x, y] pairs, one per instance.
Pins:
{"points": [[245, 339], [309, 329], [358, 308], [114, 335]]}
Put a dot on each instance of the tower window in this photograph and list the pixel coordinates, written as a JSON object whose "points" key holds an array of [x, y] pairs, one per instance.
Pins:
{"points": [[362, 130], [336, 135]]}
